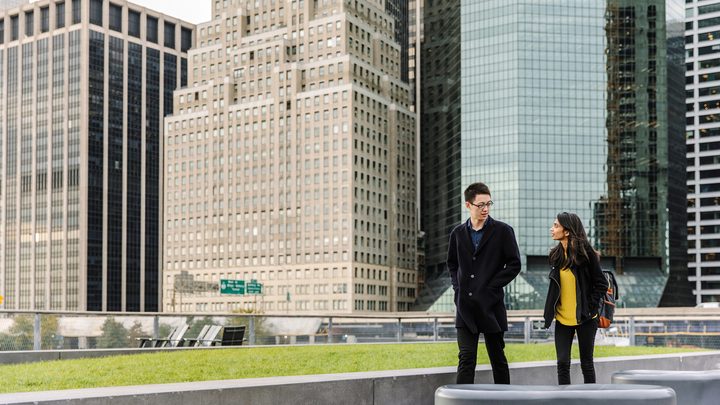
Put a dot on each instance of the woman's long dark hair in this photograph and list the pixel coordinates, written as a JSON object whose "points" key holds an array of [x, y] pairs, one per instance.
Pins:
{"points": [[578, 244]]}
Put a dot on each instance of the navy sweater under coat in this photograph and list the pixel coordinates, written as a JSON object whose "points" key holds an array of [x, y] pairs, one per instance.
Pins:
{"points": [[478, 276]]}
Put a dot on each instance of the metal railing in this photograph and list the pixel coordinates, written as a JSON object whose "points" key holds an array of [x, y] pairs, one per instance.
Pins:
{"points": [[47, 330]]}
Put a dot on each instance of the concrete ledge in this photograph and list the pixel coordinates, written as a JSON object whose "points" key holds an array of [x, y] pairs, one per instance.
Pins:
{"points": [[587, 394], [691, 387], [400, 387]]}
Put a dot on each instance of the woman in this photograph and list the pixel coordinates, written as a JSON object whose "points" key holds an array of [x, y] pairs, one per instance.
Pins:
{"points": [[576, 285]]}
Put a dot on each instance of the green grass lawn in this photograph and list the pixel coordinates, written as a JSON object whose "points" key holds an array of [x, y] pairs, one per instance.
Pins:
{"points": [[204, 365]]}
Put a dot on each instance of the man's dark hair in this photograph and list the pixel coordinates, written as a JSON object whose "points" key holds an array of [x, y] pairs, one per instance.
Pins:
{"points": [[475, 189]]}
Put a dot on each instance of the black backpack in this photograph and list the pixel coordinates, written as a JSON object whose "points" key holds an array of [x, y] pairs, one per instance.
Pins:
{"points": [[606, 309]]}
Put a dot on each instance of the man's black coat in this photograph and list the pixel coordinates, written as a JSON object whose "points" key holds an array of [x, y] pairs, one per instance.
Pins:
{"points": [[478, 276]]}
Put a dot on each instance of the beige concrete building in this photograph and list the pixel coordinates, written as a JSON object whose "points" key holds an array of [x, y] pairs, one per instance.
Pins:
{"points": [[84, 85], [290, 160]]}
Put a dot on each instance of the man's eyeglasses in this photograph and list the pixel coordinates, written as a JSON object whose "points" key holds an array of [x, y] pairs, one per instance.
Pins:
{"points": [[487, 205]]}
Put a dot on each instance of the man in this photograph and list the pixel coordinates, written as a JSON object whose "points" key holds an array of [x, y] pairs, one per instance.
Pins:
{"points": [[483, 257]]}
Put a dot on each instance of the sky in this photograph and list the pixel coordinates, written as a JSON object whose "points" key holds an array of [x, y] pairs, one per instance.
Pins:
{"points": [[194, 11]]}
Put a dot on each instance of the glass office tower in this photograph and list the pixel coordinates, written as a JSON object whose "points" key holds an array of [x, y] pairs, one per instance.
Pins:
{"points": [[641, 219], [440, 181], [538, 87]]}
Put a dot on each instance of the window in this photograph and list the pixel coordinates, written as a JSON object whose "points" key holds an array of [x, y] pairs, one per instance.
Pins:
{"points": [[708, 22], [152, 29], [185, 39], [115, 17], [134, 23], [712, 8], [45, 19], [96, 12], [2, 31], [707, 50], [59, 15], [76, 11], [169, 31], [708, 36], [29, 24], [14, 27]]}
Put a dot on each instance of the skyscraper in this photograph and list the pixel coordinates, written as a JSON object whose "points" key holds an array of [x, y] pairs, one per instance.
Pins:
{"points": [[85, 84], [290, 161], [702, 84], [547, 104], [440, 182], [400, 11], [641, 216]]}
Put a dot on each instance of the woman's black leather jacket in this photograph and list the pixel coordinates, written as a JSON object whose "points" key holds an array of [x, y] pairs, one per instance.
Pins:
{"points": [[590, 285]]}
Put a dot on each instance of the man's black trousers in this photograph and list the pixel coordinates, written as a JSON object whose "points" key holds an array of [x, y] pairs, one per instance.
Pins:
{"points": [[467, 356]]}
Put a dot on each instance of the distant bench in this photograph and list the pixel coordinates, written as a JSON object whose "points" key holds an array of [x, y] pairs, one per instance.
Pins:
{"points": [[231, 336]]}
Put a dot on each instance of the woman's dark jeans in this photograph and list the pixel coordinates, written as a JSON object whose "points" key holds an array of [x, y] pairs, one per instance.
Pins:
{"points": [[563, 344]]}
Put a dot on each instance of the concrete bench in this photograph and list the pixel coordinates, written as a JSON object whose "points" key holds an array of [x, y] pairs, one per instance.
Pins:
{"points": [[587, 394], [691, 387]]}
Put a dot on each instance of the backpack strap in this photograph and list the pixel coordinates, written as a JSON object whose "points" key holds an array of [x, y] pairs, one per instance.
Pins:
{"points": [[612, 282]]}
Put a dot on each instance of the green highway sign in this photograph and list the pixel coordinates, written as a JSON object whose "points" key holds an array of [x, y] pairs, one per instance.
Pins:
{"points": [[232, 286], [253, 287]]}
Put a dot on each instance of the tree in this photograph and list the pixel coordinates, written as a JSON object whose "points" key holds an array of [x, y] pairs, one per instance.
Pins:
{"points": [[261, 329], [114, 335], [195, 326], [164, 330], [7, 342], [135, 333], [22, 331]]}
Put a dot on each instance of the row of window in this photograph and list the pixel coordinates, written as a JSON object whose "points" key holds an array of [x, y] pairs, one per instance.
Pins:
{"points": [[264, 305], [13, 21], [252, 243], [115, 22], [704, 216], [255, 261], [247, 261], [289, 274], [240, 112], [372, 305]]}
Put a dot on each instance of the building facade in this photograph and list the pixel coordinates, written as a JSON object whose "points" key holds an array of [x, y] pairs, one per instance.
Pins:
{"points": [[290, 160], [521, 96], [401, 12], [702, 47], [85, 84], [440, 184], [640, 218]]}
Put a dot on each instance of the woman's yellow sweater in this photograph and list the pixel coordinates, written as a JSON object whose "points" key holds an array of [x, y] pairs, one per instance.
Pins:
{"points": [[566, 309]]}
